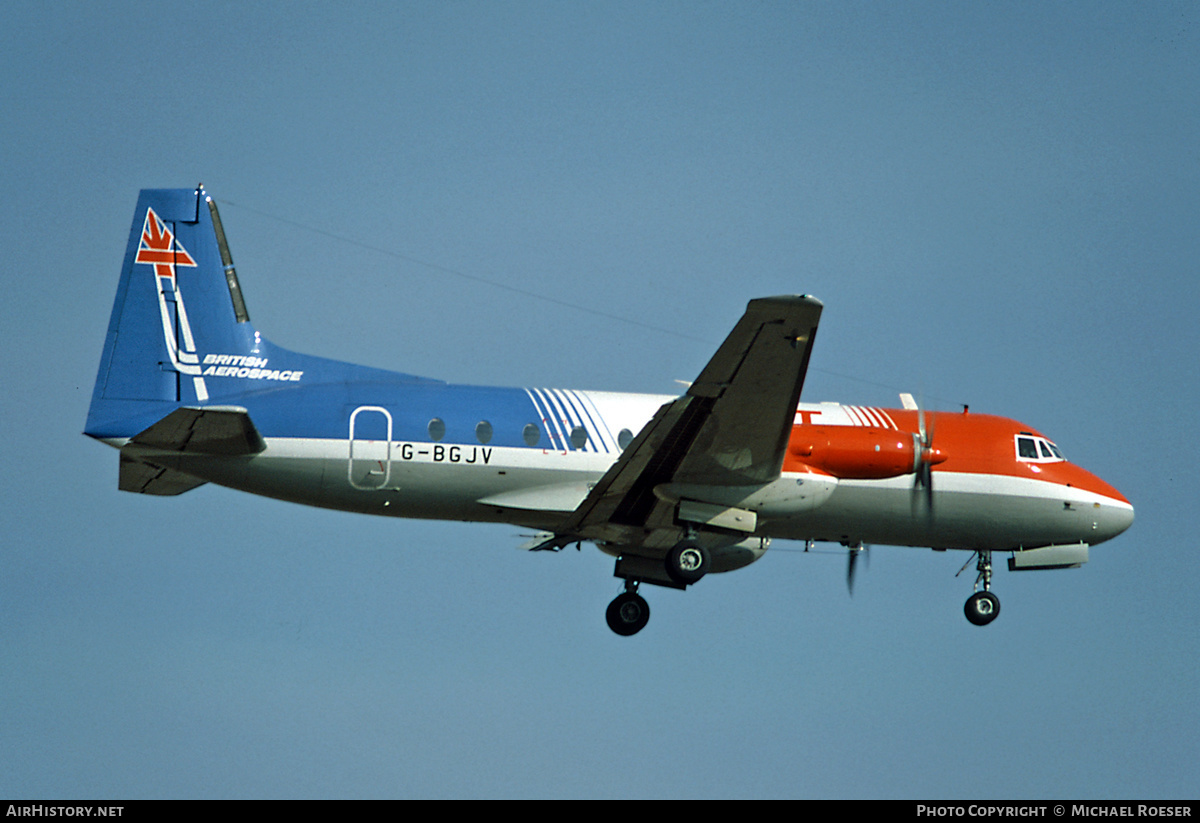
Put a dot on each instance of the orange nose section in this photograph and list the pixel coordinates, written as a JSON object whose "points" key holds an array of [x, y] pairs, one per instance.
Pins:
{"points": [[1081, 478]]}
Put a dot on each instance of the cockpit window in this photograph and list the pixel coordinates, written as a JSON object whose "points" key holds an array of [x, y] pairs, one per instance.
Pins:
{"points": [[1027, 448], [1037, 449]]}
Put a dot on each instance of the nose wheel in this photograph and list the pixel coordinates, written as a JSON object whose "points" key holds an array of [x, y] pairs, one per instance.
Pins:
{"points": [[983, 607], [629, 612]]}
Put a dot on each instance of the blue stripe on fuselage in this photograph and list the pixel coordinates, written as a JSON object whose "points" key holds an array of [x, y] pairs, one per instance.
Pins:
{"points": [[322, 410]]}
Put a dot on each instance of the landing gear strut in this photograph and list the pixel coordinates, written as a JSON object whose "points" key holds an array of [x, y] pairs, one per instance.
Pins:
{"points": [[983, 607], [685, 564], [629, 611]]}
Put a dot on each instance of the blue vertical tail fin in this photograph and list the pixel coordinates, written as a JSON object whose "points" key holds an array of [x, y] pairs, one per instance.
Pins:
{"points": [[178, 305], [180, 335]]}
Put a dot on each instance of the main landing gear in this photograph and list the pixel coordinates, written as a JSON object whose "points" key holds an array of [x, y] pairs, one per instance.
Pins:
{"points": [[685, 564], [983, 607], [629, 612]]}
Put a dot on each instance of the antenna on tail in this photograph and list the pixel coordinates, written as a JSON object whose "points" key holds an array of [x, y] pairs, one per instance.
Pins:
{"points": [[231, 278]]}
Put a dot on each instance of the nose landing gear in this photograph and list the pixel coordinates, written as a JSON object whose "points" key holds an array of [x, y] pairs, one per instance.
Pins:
{"points": [[983, 607]]}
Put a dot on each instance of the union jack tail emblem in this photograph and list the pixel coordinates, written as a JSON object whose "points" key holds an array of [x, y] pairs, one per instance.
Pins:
{"points": [[159, 248]]}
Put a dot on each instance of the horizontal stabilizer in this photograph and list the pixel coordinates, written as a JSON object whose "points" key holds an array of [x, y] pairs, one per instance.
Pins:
{"points": [[142, 478], [224, 430]]}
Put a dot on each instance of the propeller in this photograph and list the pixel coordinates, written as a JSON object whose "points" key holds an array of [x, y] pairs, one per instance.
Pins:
{"points": [[925, 455], [852, 564]]}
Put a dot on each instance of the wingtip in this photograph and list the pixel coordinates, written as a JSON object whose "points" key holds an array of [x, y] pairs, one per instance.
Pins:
{"points": [[788, 299]]}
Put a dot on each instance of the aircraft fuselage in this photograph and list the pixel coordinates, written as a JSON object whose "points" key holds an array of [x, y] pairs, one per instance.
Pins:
{"points": [[372, 450]]}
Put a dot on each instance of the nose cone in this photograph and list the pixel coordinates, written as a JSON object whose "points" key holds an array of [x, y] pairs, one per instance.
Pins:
{"points": [[1111, 518], [1111, 512], [1108, 512]]}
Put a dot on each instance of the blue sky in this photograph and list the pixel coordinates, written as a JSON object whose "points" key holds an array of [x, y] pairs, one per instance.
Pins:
{"points": [[997, 203]]}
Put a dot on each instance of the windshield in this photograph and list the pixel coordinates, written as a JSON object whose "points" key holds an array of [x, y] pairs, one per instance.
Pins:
{"points": [[1031, 449]]}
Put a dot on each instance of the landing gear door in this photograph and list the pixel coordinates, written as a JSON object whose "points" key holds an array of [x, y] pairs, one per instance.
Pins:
{"points": [[370, 443]]}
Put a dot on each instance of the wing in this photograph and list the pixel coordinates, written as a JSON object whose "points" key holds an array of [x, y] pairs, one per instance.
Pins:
{"points": [[730, 429]]}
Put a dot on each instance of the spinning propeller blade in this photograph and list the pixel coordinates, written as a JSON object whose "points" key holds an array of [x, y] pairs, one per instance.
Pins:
{"points": [[925, 457], [852, 564]]}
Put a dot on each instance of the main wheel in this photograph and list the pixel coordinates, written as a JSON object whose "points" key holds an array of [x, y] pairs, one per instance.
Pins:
{"points": [[687, 562], [628, 614], [982, 608]]}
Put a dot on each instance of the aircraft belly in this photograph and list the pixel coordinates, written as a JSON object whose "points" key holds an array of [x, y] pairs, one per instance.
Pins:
{"points": [[293, 477], [317, 472], [447, 485]]}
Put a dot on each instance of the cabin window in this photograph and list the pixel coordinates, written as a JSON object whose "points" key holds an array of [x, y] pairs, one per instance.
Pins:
{"points": [[532, 434], [624, 438], [483, 431], [578, 437], [437, 429]]}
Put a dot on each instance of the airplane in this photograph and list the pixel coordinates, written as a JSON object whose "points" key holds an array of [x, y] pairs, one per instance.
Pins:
{"points": [[673, 487]]}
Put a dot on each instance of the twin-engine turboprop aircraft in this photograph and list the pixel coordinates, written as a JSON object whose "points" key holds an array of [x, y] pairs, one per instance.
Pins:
{"points": [[672, 487]]}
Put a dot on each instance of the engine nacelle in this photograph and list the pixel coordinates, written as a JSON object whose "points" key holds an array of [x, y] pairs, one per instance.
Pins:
{"points": [[858, 452]]}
